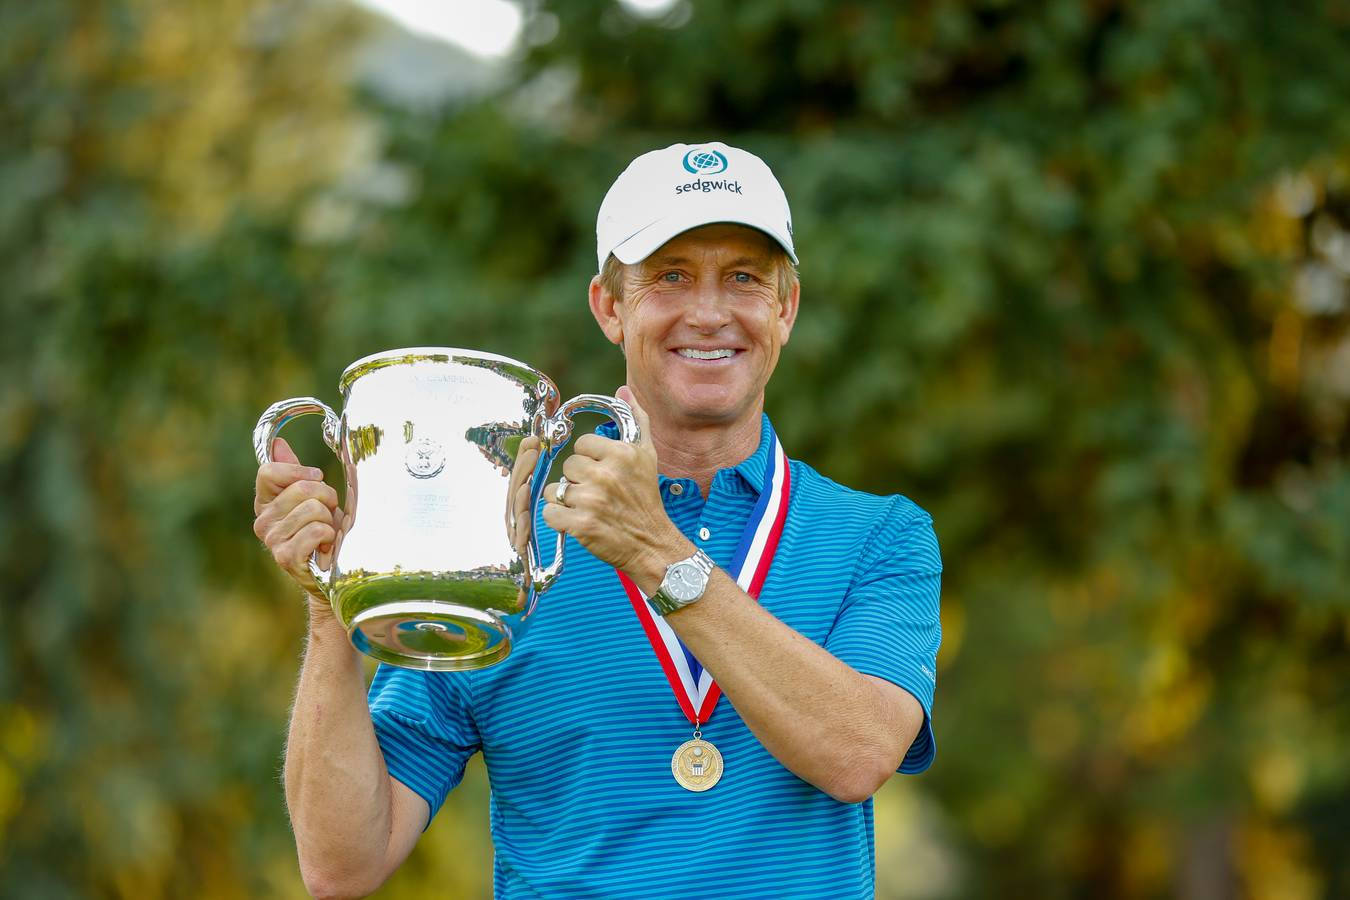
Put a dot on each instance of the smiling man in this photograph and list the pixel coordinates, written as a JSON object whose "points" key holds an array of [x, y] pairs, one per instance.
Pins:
{"points": [[738, 655]]}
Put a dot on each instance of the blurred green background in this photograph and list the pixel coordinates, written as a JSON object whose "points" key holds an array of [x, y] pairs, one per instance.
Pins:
{"points": [[1076, 278]]}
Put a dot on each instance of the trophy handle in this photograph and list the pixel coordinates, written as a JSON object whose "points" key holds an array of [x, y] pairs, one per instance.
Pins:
{"points": [[555, 433], [274, 418]]}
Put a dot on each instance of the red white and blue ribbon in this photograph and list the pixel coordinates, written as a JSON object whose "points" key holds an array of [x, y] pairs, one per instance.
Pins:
{"points": [[693, 685]]}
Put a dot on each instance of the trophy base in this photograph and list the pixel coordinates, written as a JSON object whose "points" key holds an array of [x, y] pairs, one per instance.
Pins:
{"points": [[431, 635], [438, 621]]}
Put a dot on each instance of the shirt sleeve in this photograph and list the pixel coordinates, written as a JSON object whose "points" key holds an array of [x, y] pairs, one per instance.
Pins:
{"points": [[888, 625], [424, 723]]}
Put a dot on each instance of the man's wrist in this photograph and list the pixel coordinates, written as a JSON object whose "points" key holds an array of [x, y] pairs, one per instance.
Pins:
{"points": [[318, 606], [651, 567]]}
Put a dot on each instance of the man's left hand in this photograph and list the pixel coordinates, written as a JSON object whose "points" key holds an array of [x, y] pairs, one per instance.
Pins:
{"points": [[613, 505]]}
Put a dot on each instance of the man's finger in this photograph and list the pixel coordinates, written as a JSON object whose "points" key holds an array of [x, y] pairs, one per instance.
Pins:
{"points": [[294, 554], [305, 489], [275, 477], [327, 548], [526, 457], [521, 508], [302, 515], [551, 496], [581, 468], [591, 446], [282, 452], [522, 470], [559, 517]]}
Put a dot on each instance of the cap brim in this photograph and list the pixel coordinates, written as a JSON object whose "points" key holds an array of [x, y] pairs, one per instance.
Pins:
{"points": [[647, 240]]}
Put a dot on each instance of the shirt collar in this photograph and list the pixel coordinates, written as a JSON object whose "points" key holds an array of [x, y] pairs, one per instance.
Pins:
{"points": [[751, 469]]}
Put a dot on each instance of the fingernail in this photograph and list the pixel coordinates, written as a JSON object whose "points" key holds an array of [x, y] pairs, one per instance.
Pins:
{"points": [[316, 474]]}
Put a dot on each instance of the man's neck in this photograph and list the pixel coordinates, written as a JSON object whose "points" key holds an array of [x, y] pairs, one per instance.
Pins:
{"points": [[698, 453]]}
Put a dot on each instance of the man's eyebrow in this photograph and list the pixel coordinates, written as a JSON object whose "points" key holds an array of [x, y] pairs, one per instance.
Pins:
{"points": [[657, 261], [754, 262]]}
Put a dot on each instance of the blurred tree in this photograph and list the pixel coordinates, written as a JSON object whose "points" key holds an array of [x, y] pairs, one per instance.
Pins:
{"points": [[152, 156], [1074, 278]]}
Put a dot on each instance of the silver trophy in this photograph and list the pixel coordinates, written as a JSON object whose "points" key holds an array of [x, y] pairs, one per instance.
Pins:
{"points": [[424, 572]]}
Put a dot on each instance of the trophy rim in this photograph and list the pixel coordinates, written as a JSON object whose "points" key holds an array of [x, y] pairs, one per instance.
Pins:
{"points": [[401, 355]]}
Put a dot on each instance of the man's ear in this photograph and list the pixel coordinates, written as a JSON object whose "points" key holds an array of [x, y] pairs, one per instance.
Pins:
{"points": [[606, 316], [787, 313]]}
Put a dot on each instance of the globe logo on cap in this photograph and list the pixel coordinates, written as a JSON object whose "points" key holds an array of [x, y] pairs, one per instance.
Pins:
{"points": [[704, 162]]}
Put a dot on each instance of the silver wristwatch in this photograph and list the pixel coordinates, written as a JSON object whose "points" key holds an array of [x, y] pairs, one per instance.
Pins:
{"points": [[684, 584]]}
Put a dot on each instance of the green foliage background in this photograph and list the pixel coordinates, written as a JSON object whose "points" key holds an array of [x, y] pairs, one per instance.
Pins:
{"points": [[1074, 279]]}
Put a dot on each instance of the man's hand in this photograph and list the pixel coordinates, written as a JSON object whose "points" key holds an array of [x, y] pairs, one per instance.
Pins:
{"points": [[613, 505], [296, 514]]}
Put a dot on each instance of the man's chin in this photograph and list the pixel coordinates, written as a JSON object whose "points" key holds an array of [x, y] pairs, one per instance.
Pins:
{"points": [[722, 411]]}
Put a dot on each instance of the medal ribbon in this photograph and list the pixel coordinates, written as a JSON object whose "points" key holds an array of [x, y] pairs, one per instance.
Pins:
{"points": [[693, 685]]}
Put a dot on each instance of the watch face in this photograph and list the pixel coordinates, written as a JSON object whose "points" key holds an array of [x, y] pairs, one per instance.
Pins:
{"points": [[685, 582]]}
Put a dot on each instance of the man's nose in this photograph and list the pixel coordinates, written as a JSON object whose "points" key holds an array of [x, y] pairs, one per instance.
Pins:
{"points": [[709, 309]]}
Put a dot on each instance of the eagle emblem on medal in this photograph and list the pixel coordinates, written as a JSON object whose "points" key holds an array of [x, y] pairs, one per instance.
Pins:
{"points": [[696, 765]]}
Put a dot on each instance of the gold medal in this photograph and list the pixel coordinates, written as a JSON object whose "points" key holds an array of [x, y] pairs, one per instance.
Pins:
{"points": [[696, 765]]}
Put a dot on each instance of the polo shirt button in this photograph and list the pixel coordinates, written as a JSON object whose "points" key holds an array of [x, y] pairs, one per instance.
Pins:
{"points": [[677, 489], [704, 534]]}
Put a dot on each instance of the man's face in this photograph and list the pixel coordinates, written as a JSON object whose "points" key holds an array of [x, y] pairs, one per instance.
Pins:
{"points": [[702, 325]]}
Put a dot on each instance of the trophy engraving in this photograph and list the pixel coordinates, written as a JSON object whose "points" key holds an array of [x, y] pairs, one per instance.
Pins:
{"points": [[425, 458]]}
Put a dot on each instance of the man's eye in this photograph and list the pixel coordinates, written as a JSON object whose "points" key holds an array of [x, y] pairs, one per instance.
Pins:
{"points": [[743, 278], [671, 277]]}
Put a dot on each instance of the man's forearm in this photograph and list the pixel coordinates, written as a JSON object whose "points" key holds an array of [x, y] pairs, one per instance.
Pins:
{"points": [[842, 731], [337, 787]]}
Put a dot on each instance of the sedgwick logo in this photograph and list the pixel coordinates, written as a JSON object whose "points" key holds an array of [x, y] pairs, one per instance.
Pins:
{"points": [[700, 184]]}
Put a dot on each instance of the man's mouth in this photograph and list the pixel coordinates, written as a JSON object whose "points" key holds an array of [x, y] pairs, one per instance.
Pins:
{"points": [[691, 353]]}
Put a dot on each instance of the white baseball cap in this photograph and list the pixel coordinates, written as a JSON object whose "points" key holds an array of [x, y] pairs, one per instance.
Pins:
{"points": [[666, 192]]}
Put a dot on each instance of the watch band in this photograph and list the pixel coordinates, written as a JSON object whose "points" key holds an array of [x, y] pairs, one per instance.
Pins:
{"points": [[664, 601]]}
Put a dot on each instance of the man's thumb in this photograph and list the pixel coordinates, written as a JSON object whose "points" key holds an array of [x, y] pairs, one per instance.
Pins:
{"points": [[625, 393], [282, 452]]}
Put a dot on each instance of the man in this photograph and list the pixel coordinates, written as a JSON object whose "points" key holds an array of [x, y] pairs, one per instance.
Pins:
{"points": [[704, 563]]}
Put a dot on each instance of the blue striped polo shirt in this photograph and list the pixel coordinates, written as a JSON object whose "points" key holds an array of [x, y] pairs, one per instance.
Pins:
{"points": [[577, 725]]}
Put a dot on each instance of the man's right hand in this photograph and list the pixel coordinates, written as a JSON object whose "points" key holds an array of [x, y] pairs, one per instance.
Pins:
{"points": [[296, 514]]}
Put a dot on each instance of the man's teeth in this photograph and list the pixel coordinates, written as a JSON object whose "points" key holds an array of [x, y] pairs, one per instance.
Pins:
{"points": [[706, 354]]}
